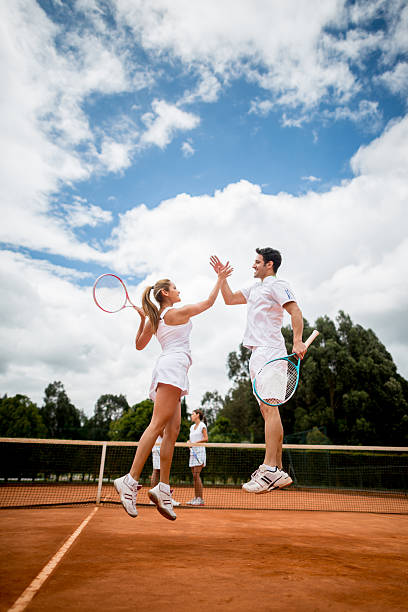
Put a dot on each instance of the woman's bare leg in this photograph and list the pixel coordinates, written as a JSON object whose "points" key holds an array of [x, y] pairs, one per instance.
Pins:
{"points": [[198, 484], [167, 446], [154, 479], [165, 406]]}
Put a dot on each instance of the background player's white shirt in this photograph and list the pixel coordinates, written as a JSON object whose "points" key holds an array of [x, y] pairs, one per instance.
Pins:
{"points": [[265, 302], [197, 434]]}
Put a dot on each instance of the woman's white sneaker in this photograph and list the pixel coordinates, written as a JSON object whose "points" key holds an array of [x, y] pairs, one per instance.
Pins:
{"points": [[163, 501], [128, 494], [197, 501]]}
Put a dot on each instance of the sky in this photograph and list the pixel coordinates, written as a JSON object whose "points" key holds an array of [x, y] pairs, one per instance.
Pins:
{"points": [[140, 137]]}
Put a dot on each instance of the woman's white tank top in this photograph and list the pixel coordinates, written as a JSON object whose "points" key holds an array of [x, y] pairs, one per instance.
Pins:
{"points": [[174, 338]]}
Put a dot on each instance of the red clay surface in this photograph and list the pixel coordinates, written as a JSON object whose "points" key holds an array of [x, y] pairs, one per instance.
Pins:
{"points": [[292, 498], [207, 560]]}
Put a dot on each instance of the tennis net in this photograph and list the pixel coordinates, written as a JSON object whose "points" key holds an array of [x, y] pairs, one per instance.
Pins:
{"points": [[38, 473]]}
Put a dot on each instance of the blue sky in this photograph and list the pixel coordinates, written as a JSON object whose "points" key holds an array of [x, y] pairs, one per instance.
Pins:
{"points": [[141, 137]]}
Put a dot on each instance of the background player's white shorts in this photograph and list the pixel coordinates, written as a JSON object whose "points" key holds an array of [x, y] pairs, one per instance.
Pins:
{"points": [[198, 457], [260, 355], [156, 457], [171, 369]]}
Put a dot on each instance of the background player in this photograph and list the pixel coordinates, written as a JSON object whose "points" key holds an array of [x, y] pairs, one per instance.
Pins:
{"points": [[198, 455]]}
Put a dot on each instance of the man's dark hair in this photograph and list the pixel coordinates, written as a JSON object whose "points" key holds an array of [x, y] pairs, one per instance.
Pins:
{"points": [[273, 255]]}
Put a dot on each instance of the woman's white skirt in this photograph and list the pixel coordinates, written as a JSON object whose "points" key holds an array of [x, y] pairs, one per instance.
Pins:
{"points": [[156, 457], [198, 456], [171, 369]]}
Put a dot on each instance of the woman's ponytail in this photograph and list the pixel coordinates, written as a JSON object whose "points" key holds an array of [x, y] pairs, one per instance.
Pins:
{"points": [[149, 308]]}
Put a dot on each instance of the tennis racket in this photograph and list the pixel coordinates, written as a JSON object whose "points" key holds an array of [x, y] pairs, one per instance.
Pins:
{"points": [[195, 454], [110, 293], [277, 380]]}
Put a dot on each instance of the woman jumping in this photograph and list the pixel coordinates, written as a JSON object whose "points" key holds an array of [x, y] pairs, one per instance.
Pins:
{"points": [[172, 327]]}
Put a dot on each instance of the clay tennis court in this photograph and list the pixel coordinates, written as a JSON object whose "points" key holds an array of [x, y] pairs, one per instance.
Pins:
{"points": [[207, 559]]}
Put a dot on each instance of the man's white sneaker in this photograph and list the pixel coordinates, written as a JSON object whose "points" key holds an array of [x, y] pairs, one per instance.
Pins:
{"points": [[264, 480], [128, 494], [285, 481], [192, 502], [163, 501]]}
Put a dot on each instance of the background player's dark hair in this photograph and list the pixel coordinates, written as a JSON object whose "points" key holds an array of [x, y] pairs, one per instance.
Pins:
{"points": [[201, 415], [273, 255]]}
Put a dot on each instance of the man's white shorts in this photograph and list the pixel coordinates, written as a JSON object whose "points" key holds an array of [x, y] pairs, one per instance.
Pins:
{"points": [[261, 355]]}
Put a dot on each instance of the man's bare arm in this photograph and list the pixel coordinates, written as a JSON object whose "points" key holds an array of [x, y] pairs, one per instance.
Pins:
{"points": [[230, 297], [296, 316]]}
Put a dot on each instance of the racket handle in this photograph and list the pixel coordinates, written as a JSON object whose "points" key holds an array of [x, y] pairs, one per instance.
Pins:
{"points": [[312, 337]]}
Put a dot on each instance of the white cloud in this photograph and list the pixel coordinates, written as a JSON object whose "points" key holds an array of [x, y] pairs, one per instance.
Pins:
{"points": [[367, 115], [54, 72], [386, 156], [187, 148], [311, 179], [164, 121], [207, 90], [116, 156], [80, 214], [397, 79], [276, 45], [260, 107]]}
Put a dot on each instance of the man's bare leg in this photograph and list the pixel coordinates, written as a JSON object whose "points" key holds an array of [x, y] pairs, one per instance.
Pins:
{"points": [[273, 435]]}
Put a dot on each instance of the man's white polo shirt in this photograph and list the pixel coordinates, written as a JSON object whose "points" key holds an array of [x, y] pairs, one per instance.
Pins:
{"points": [[265, 302]]}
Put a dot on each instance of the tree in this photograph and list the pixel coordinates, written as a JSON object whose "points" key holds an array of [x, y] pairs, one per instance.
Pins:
{"points": [[131, 425], [20, 418], [239, 405], [222, 431], [59, 415], [184, 433], [348, 384], [211, 404], [108, 408]]}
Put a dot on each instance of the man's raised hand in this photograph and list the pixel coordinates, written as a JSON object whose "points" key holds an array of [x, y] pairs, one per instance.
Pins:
{"points": [[216, 264]]}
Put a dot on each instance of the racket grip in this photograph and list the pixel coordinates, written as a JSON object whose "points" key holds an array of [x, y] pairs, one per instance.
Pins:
{"points": [[312, 337]]}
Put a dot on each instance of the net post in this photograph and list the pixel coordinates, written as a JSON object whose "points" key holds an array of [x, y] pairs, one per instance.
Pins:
{"points": [[101, 470]]}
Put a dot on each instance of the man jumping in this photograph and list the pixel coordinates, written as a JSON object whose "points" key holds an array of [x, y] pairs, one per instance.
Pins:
{"points": [[266, 301]]}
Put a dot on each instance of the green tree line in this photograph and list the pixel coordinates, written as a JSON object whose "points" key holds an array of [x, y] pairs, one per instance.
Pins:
{"points": [[349, 393]]}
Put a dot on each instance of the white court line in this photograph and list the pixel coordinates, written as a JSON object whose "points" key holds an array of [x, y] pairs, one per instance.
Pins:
{"points": [[22, 602]]}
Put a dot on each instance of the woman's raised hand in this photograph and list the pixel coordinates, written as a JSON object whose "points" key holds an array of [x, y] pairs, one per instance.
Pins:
{"points": [[140, 311], [224, 271]]}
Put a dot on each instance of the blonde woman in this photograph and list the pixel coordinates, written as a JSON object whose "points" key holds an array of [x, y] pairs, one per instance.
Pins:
{"points": [[198, 456], [172, 327]]}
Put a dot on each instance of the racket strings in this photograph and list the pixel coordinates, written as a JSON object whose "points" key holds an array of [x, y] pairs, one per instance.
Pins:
{"points": [[109, 293], [277, 381]]}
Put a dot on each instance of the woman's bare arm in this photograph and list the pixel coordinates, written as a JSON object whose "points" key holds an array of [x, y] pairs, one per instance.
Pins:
{"points": [[144, 333], [178, 316]]}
